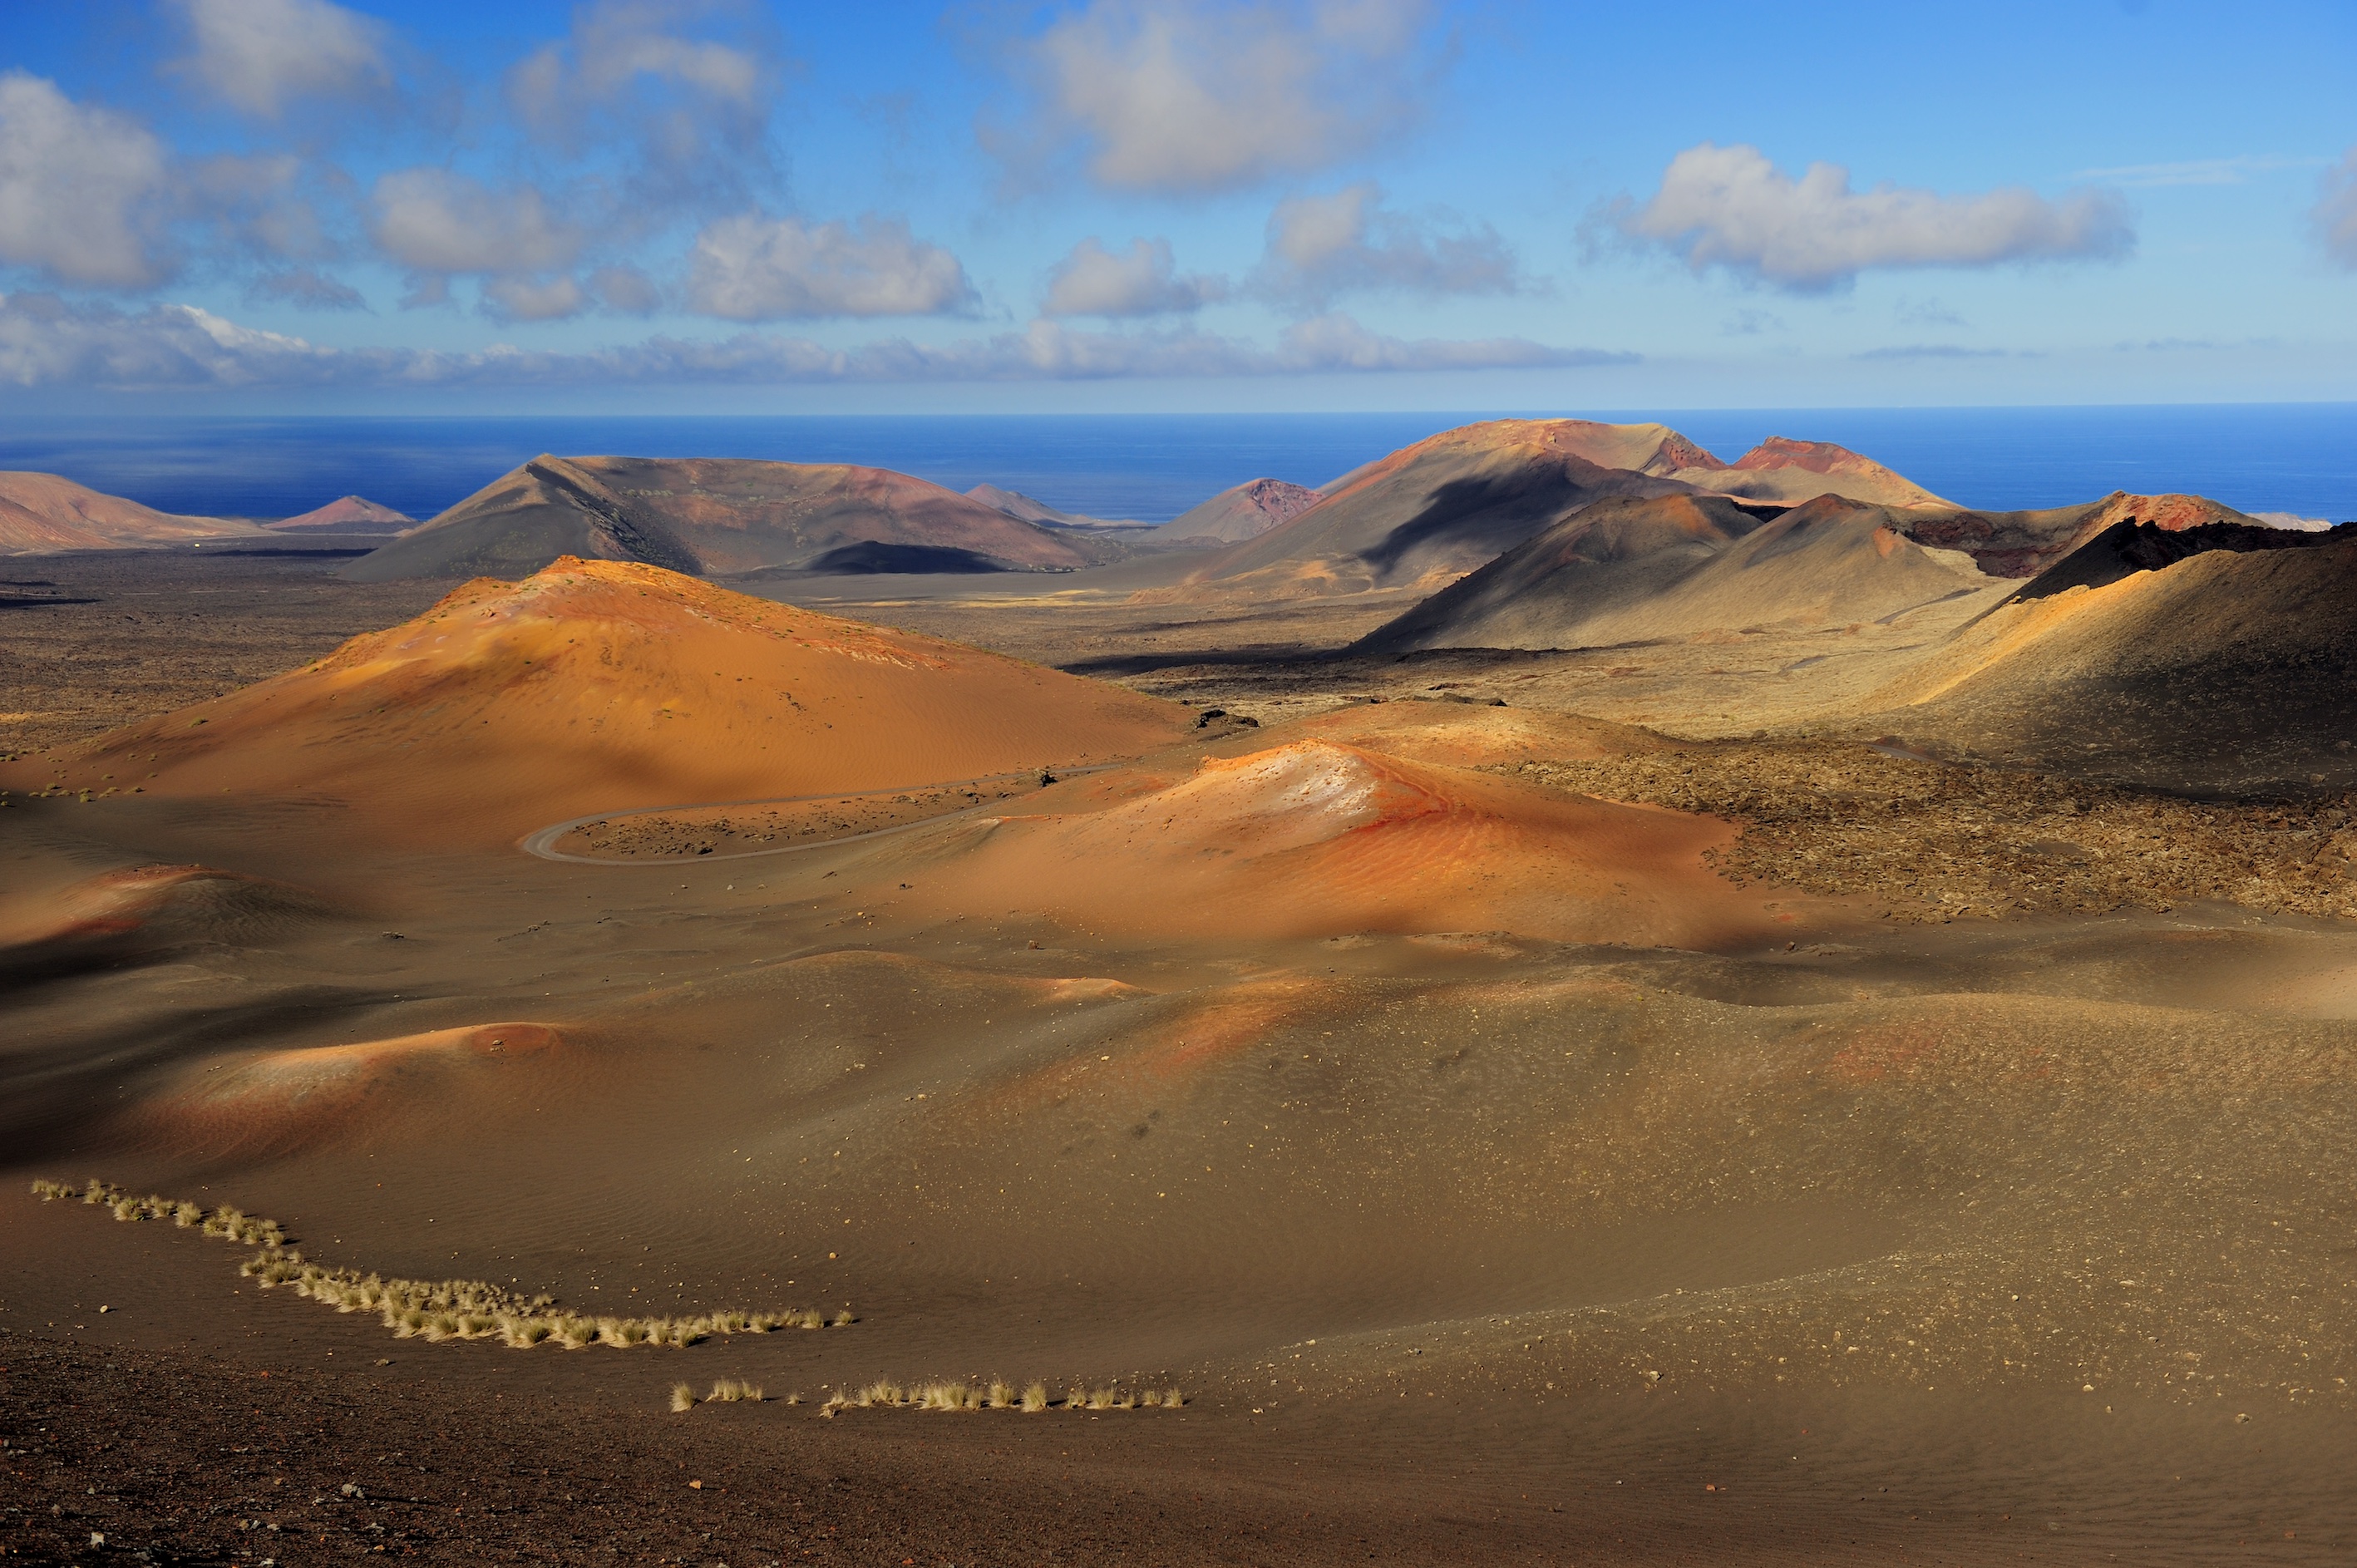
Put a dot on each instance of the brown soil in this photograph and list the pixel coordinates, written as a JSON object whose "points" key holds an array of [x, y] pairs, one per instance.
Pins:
{"points": [[751, 830]]}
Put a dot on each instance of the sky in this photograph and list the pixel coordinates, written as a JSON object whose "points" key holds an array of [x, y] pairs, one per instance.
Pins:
{"points": [[289, 206]]}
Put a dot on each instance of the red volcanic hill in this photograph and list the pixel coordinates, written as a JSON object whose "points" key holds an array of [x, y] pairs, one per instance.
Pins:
{"points": [[1319, 838], [1454, 501], [716, 517], [1240, 512], [40, 513], [599, 685], [352, 514], [1780, 470]]}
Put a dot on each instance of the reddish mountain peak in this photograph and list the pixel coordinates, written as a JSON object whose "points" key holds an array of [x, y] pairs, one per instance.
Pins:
{"points": [[2172, 514], [1816, 456]]}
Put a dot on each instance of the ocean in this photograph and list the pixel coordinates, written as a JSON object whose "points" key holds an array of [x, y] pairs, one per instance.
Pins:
{"points": [[2288, 457]]}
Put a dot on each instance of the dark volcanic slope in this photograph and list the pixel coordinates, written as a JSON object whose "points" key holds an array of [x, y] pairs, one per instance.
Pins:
{"points": [[705, 516], [2128, 547], [2024, 544], [1626, 570], [2227, 671], [1603, 558]]}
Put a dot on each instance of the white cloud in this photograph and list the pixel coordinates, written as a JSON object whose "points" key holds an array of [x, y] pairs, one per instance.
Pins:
{"points": [[2335, 213], [625, 289], [45, 343], [1730, 207], [756, 268], [1187, 96], [81, 189], [1319, 246], [259, 55], [1140, 281], [529, 299], [689, 107], [437, 224]]}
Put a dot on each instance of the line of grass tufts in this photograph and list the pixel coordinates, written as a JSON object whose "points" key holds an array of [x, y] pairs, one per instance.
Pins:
{"points": [[885, 1395], [432, 1310]]}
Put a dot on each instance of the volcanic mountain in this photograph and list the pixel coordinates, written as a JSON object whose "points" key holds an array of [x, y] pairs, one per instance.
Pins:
{"points": [[1240, 512], [2226, 669], [1672, 566], [1026, 509], [44, 513], [1780, 470], [352, 514], [715, 517], [1460, 498], [599, 685], [2024, 544], [1430, 511]]}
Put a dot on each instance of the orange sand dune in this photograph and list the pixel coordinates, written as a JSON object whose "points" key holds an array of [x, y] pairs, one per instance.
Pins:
{"points": [[599, 685], [286, 1100], [1319, 839]]}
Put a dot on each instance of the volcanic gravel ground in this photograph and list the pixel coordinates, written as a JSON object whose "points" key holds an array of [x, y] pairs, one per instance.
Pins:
{"points": [[1941, 840]]}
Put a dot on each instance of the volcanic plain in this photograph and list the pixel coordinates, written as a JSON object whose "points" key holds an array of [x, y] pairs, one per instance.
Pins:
{"points": [[1790, 1085]]}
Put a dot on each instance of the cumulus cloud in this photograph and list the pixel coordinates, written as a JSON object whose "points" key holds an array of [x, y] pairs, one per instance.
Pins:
{"points": [[625, 289], [259, 55], [45, 342], [531, 299], [1140, 281], [83, 191], [753, 267], [686, 90], [1188, 96], [437, 224], [1320, 246], [1729, 207], [2335, 214]]}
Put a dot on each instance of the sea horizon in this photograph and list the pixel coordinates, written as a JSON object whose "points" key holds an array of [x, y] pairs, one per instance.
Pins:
{"points": [[2297, 458]]}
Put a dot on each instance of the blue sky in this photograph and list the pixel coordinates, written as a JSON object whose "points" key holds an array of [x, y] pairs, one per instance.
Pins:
{"points": [[284, 205]]}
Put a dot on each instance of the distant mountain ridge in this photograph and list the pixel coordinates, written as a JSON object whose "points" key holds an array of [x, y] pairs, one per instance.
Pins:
{"points": [[44, 513], [1456, 501], [709, 517]]}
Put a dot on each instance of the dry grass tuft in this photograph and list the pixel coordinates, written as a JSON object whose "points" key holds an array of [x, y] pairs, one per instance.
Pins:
{"points": [[433, 1310], [682, 1398], [999, 1394], [734, 1391]]}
